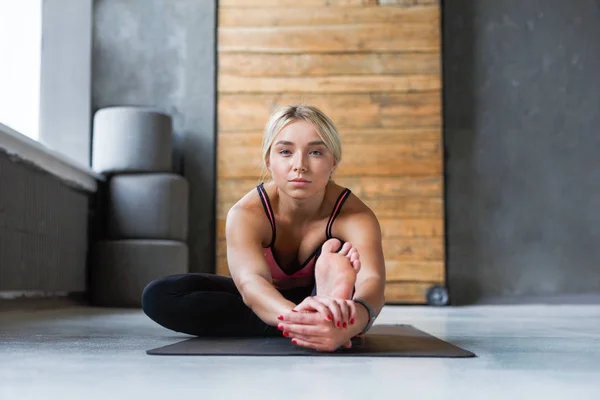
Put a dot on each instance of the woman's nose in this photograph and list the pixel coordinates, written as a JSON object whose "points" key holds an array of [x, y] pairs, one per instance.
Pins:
{"points": [[299, 164]]}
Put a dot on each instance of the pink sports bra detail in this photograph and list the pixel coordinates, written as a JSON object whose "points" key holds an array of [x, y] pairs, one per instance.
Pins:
{"points": [[306, 268]]}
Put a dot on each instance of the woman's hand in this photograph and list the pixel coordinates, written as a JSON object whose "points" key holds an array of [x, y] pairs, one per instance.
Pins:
{"points": [[320, 322], [310, 329], [341, 312]]}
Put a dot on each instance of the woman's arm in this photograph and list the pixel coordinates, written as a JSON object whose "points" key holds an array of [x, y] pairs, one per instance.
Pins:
{"points": [[248, 267], [363, 231]]}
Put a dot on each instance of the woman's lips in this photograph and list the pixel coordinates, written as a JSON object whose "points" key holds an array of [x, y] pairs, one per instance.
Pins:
{"points": [[299, 182]]}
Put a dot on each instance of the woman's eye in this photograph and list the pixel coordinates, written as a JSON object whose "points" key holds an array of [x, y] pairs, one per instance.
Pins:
{"points": [[317, 152], [284, 152]]}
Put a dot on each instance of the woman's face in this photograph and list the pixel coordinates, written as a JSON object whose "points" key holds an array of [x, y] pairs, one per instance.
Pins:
{"points": [[299, 161]]}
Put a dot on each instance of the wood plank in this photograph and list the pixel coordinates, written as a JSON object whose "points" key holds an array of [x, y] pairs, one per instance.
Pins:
{"points": [[406, 292], [250, 112], [237, 161], [396, 292], [330, 39], [390, 228], [407, 207], [414, 249], [330, 84], [408, 252], [321, 3], [401, 207], [387, 153], [395, 270], [366, 187], [306, 65], [355, 135], [426, 271], [311, 16], [402, 250], [290, 3], [401, 142], [404, 3]]}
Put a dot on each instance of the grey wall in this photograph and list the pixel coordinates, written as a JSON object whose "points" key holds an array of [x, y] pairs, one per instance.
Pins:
{"points": [[43, 230], [521, 130], [522, 121], [161, 54]]}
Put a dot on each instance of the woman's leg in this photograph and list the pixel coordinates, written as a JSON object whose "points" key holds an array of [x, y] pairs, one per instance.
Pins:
{"points": [[206, 305]]}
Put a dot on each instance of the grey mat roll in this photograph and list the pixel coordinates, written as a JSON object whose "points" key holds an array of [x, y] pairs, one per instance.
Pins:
{"points": [[120, 270], [148, 206], [380, 341], [131, 139]]}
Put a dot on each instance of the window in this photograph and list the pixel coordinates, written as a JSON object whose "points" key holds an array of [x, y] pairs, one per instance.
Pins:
{"points": [[20, 57]]}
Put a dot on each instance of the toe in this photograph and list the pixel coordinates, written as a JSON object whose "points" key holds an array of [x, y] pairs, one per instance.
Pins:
{"points": [[346, 249], [356, 265], [353, 254], [331, 246]]}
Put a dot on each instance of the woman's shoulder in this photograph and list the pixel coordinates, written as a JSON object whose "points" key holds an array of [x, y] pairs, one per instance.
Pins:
{"points": [[353, 206], [248, 213], [355, 214]]}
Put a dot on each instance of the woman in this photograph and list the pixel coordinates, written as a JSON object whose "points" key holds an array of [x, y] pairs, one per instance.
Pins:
{"points": [[304, 253]]}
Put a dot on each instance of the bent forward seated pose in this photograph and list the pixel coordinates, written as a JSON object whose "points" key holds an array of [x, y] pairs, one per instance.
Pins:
{"points": [[304, 253]]}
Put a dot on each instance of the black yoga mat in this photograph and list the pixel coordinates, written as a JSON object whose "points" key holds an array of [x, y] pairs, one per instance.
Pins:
{"points": [[380, 341]]}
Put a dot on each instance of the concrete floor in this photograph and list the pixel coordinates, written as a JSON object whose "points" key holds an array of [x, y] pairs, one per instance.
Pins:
{"points": [[524, 352]]}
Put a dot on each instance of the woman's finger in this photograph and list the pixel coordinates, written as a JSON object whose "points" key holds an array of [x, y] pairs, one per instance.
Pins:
{"points": [[316, 340], [298, 329], [353, 312], [345, 309], [313, 304], [334, 308], [311, 345]]}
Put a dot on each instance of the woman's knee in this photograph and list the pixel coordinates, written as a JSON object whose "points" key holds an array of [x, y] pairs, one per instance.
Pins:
{"points": [[153, 295]]}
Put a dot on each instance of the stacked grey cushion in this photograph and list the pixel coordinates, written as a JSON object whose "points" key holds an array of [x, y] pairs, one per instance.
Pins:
{"points": [[131, 139], [147, 204]]}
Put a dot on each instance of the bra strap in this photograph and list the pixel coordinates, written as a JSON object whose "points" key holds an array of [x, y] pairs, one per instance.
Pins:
{"points": [[336, 210], [264, 198]]}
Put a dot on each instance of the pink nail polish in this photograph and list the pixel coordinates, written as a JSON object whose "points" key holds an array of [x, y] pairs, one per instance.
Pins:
{"points": [[294, 310], [294, 341], [338, 325], [345, 325], [352, 321], [286, 334], [329, 318], [280, 327], [280, 318]]}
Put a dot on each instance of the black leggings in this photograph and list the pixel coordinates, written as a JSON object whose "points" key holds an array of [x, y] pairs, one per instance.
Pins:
{"points": [[207, 305]]}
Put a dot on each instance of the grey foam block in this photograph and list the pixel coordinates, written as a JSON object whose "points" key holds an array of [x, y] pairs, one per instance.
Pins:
{"points": [[121, 269], [131, 139], [148, 206]]}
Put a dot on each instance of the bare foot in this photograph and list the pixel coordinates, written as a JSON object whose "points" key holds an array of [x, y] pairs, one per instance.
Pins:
{"points": [[335, 273], [352, 254]]}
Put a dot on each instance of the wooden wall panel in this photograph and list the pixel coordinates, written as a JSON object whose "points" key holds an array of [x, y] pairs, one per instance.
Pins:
{"points": [[419, 18], [374, 68], [243, 112], [328, 39], [322, 3], [321, 65]]}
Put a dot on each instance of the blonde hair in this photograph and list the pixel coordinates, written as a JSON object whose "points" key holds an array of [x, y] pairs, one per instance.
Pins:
{"points": [[323, 125]]}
